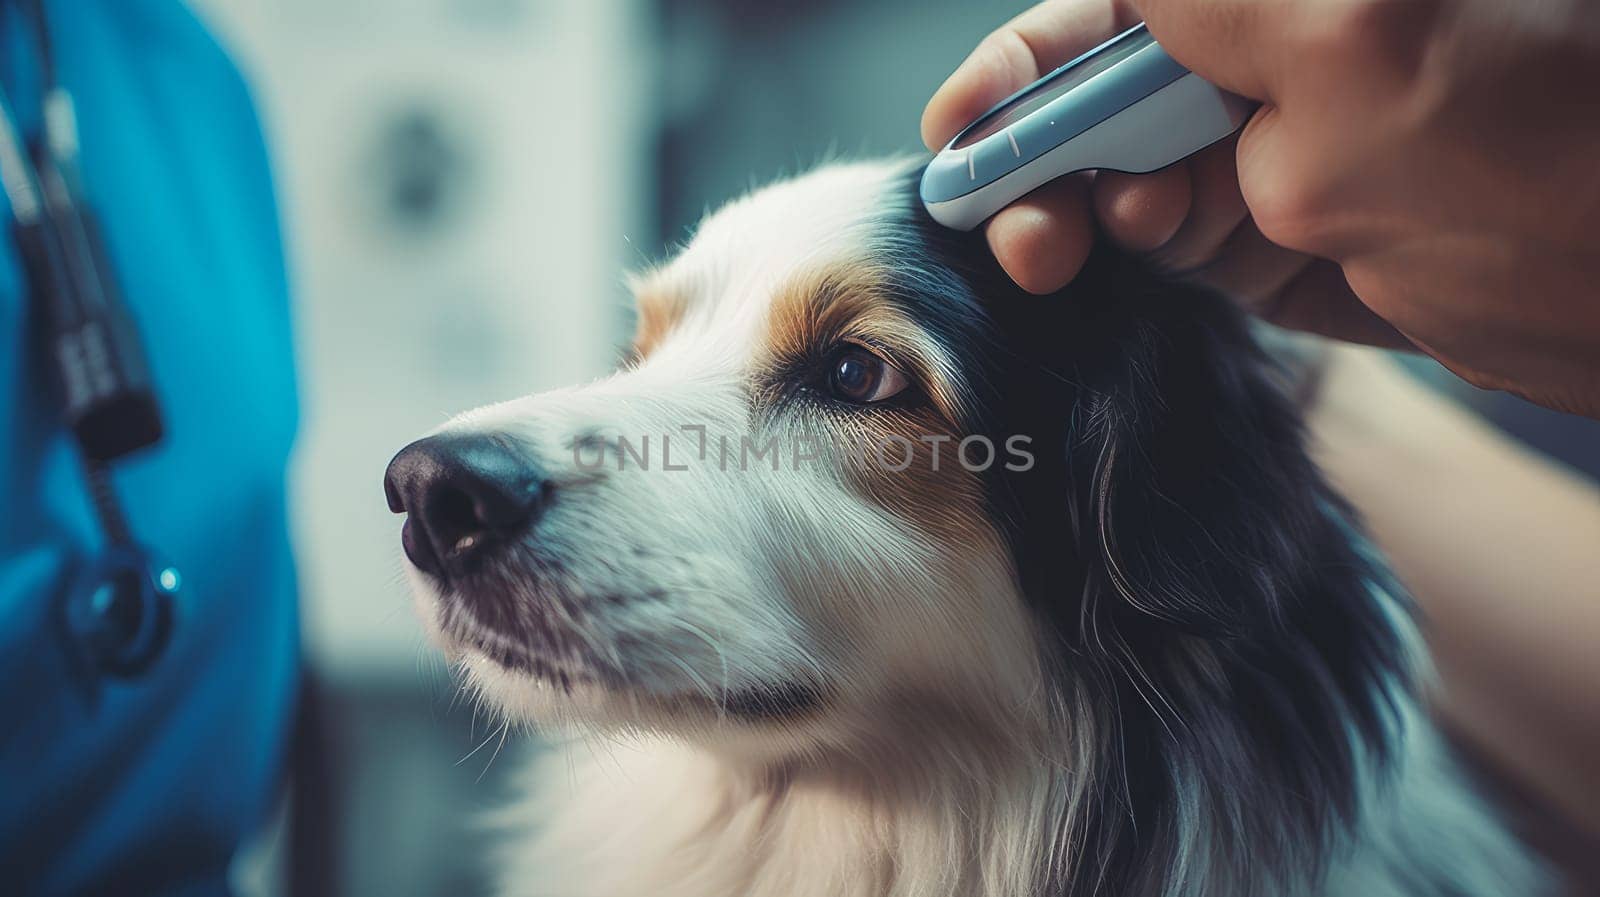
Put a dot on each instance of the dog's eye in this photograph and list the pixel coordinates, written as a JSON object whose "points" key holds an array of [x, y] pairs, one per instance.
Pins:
{"points": [[859, 376]]}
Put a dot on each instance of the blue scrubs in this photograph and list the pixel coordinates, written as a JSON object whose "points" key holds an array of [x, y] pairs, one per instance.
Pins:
{"points": [[147, 786]]}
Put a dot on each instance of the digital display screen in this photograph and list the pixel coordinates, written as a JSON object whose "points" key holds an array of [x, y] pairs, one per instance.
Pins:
{"points": [[1054, 86]]}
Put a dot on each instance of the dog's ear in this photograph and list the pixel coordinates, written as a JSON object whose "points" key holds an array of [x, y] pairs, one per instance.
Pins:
{"points": [[1198, 486], [1171, 480], [1188, 493]]}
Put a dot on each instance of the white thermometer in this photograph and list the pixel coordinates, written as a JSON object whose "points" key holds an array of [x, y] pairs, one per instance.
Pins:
{"points": [[1123, 106]]}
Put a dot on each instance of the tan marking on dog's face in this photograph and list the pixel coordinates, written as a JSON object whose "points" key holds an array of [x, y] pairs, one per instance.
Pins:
{"points": [[828, 306], [900, 453]]}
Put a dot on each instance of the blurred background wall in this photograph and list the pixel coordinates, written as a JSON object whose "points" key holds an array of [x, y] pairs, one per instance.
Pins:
{"points": [[462, 184]]}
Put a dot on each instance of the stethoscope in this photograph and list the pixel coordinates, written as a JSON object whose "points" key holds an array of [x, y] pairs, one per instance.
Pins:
{"points": [[118, 613]]}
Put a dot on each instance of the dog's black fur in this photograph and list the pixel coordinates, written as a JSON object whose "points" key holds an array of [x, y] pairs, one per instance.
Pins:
{"points": [[1213, 600]]}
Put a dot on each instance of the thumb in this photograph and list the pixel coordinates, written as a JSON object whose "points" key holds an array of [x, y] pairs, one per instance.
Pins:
{"points": [[1235, 44]]}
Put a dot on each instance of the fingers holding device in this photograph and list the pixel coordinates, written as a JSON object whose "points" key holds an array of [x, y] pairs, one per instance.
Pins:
{"points": [[1123, 106], [1447, 207]]}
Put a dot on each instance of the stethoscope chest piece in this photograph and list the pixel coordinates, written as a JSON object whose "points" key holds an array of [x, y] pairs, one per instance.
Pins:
{"points": [[119, 614]]}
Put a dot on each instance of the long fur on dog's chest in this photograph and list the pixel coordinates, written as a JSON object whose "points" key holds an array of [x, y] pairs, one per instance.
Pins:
{"points": [[656, 818]]}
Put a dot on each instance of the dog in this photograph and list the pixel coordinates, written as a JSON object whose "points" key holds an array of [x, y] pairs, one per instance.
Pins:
{"points": [[870, 574]]}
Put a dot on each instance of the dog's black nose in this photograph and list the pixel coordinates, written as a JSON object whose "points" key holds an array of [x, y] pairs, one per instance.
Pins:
{"points": [[463, 494]]}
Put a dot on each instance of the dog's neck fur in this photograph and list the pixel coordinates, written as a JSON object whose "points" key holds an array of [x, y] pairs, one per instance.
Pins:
{"points": [[696, 825], [657, 817]]}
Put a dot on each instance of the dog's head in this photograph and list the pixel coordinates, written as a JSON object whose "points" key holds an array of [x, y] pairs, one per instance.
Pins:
{"points": [[766, 524], [855, 493]]}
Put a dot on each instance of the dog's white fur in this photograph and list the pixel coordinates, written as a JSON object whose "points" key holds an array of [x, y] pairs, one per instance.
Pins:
{"points": [[944, 761]]}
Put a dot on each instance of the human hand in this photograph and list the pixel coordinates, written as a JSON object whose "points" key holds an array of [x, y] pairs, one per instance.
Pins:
{"points": [[1422, 173]]}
